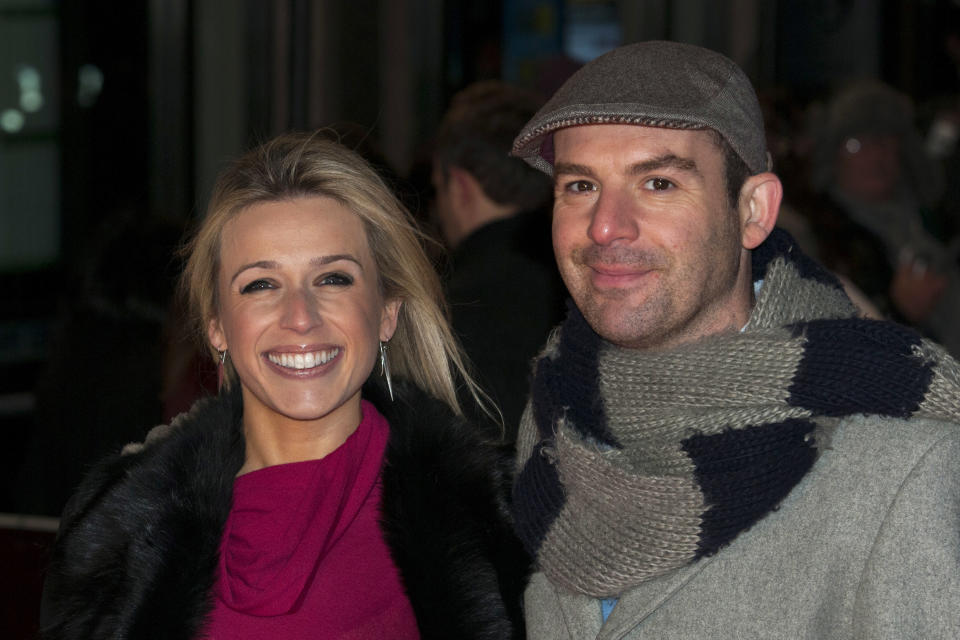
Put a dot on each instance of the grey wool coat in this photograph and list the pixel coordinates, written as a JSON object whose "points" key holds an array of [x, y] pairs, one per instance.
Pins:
{"points": [[867, 545]]}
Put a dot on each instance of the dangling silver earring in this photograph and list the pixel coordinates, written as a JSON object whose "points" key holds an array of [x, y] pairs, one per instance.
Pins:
{"points": [[385, 369], [220, 372]]}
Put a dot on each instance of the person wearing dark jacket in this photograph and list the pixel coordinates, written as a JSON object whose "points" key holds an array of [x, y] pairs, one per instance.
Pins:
{"points": [[304, 501], [493, 212]]}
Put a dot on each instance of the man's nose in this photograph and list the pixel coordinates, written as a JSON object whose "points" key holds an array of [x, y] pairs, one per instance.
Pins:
{"points": [[615, 217]]}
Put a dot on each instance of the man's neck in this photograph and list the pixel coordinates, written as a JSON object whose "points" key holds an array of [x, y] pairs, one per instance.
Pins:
{"points": [[475, 213]]}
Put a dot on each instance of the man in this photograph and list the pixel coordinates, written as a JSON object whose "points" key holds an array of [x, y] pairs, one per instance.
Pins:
{"points": [[716, 445], [493, 211]]}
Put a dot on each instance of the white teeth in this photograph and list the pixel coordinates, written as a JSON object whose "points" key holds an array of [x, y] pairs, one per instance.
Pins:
{"points": [[303, 360]]}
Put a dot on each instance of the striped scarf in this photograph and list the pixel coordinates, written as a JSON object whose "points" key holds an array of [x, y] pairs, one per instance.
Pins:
{"points": [[634, 463]]}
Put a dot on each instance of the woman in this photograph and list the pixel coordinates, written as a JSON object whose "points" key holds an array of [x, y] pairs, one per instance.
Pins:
{"points": [[294, 504]]}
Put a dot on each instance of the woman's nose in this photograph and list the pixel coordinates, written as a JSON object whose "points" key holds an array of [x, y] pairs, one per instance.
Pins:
{"points": [[300, 312]]}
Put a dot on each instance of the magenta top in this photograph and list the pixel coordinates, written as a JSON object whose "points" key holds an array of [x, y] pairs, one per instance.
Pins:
{"points": [[303, 555]]}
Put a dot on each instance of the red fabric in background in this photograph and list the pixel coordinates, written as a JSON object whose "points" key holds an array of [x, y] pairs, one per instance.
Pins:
{"points": [[23, 558]]}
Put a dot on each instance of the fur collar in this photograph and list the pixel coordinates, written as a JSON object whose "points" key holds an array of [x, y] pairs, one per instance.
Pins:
{"points": [[137, 549]]}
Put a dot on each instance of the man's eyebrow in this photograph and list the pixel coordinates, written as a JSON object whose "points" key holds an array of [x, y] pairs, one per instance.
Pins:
{"points": [[571, 168], [666, 161], [317, 262]]}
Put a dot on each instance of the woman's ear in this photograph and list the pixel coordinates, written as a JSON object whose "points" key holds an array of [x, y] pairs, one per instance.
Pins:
{"points": [[215, 335], [388, 318], [759, 206]]}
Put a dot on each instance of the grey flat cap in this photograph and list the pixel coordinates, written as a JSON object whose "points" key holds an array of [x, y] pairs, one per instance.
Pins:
{"points": [[655, 84]]}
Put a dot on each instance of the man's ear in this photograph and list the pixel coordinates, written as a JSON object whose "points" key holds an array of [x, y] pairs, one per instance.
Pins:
{"points": [[461, 186], [218, 340], [759, 206]]}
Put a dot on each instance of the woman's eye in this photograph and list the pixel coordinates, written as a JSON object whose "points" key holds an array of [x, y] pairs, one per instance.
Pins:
{"points": [[336, 279], [581, 186], [257, 285], [658, 184]]}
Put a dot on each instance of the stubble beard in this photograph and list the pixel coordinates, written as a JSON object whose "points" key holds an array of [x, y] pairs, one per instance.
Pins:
{"points": [[610, 313], [674, 310]]}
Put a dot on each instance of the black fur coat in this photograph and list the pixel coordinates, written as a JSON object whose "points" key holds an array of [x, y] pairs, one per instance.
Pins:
{"points": [[137, 548]]}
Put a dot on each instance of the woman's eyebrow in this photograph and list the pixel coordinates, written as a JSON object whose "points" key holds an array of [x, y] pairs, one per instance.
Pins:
{"points": [[322, 260], [260, 264], [317, 262]]}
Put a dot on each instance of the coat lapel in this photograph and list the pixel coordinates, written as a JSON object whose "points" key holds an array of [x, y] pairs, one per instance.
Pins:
{"points": [[644, 599]]}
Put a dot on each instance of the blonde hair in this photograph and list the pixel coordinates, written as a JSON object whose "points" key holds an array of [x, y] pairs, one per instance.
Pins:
{"points": [[294, 165]]}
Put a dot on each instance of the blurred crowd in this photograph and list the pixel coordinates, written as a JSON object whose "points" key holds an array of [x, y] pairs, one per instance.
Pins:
{"points": [[869, 192]]}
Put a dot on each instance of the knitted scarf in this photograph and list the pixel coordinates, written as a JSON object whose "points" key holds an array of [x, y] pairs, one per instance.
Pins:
{"points": [[634, 463]]}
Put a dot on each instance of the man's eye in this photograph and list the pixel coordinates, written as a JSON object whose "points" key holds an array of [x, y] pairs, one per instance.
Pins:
{"points": [[581, 186], [336, 279], [257, 285], [658, 184]]}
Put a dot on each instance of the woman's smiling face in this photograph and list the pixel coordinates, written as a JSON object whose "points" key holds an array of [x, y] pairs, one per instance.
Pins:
{"points": [[300, 310]]}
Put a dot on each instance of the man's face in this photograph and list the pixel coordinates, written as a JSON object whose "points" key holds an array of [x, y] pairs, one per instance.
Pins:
{"points": [[644, 235]]}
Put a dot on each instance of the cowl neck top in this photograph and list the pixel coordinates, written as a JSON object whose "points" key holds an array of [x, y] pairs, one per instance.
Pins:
{"points": [[303, 555]]}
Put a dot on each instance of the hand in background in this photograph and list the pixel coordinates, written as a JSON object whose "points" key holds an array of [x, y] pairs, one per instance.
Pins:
{"points": [[916, 289]]}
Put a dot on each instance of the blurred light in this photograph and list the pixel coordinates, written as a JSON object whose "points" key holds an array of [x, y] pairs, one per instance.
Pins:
{"points": [[942, 137], [89, 85], [28, 78], [31, 101], [11, 121], [544, 19], [852, 145]]}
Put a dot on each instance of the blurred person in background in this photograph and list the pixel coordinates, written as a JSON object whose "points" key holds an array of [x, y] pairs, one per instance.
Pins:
{"points": [[879, 193], [102, 384], [493, 212]]}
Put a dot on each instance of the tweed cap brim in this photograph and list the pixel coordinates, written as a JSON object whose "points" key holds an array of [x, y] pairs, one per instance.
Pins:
{"points": [[655, 84]]}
